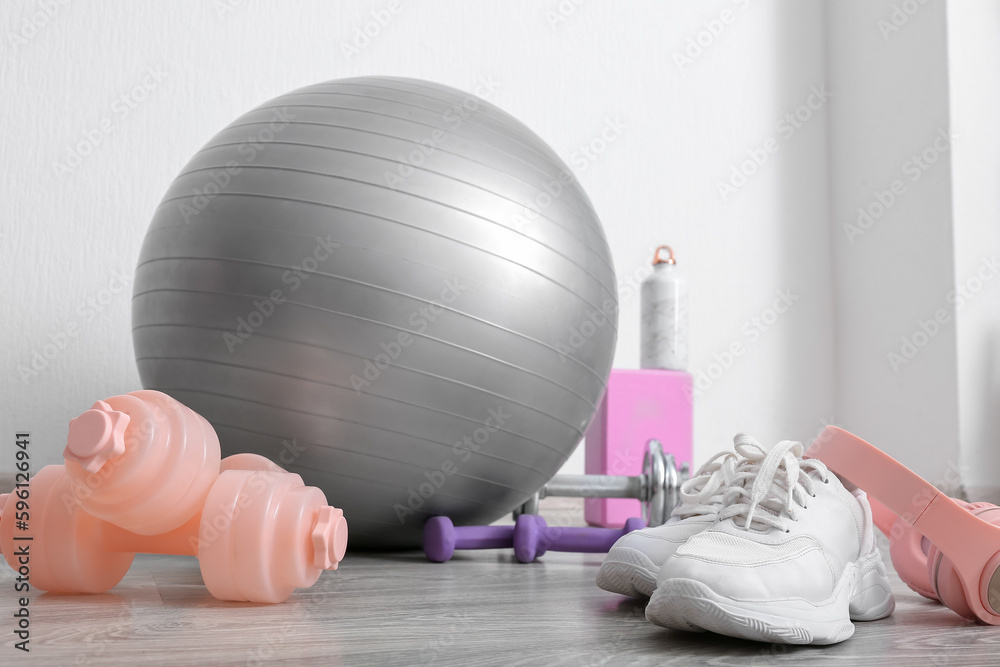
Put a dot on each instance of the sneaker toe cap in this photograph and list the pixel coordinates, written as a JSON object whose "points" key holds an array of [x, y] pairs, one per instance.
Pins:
{"points": [[796, 569]]}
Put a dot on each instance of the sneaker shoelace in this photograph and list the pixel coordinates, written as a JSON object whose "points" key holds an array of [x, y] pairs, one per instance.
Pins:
{"points": [[770, 485], [701, 495]]}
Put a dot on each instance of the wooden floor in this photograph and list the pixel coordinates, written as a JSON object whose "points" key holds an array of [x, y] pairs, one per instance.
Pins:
{"points": [[482, 608]]}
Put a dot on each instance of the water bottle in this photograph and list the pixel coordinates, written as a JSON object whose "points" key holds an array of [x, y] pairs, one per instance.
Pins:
{"points": [[664, 341]]}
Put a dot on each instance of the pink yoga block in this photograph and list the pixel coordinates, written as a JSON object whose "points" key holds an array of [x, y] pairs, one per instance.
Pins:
{"points": [[639, 405]]}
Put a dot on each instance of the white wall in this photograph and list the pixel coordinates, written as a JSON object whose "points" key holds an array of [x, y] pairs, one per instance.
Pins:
{"points": [[895, 272], [692, 113], [563, 68], [974, 80], [741, 249]]}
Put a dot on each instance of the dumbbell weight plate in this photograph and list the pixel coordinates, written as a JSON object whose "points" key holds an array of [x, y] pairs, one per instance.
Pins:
{"points": [[247, 461], [254, 541], [439, 539], [529, 542], [655, 469], [63, 554], [657, 489]]}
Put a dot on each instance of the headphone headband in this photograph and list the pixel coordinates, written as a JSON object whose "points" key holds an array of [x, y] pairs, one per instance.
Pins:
{"points": [[900, 489]]}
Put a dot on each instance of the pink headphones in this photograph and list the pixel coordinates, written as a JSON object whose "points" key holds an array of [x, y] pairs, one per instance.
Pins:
{"points": [[945, 549]]}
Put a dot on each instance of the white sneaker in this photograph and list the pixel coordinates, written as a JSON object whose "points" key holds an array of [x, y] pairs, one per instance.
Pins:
{"points": [[792, 558], [633, 563]]}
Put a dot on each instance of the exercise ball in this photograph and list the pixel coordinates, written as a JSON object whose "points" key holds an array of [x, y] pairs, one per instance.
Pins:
{"points": [[390, 287]]}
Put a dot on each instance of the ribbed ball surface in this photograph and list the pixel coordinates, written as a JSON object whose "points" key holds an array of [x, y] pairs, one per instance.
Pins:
{"points": [[390, 287]]}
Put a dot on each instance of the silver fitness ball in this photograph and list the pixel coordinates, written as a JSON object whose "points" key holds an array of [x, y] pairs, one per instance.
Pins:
{"points": [[390, 287]]}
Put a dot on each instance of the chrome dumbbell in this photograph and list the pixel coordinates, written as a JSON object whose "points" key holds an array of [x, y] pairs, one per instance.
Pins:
{"points": [[657, 488]]}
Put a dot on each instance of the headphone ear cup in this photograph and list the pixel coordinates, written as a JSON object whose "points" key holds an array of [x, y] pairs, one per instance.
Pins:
{"points": [[942, 574], [947, 585], [908, 550]]}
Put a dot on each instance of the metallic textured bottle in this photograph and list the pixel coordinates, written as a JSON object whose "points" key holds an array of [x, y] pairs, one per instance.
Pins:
{"points": [[664, 342]]}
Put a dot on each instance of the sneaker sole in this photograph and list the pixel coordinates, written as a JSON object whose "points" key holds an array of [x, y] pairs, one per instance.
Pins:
{"points": [[689, 605], [628, 572]]}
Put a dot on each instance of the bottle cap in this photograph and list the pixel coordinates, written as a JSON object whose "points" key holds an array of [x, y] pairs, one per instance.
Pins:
{"points": [[657, 259]]}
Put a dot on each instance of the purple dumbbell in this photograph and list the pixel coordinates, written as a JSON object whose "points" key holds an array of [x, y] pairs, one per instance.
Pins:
{"points": [[441, 538], [533, 537], [530, 536]]}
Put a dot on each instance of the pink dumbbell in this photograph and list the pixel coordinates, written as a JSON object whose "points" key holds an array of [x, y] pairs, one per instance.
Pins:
{"points": [[142, 461], [258, 532]]}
